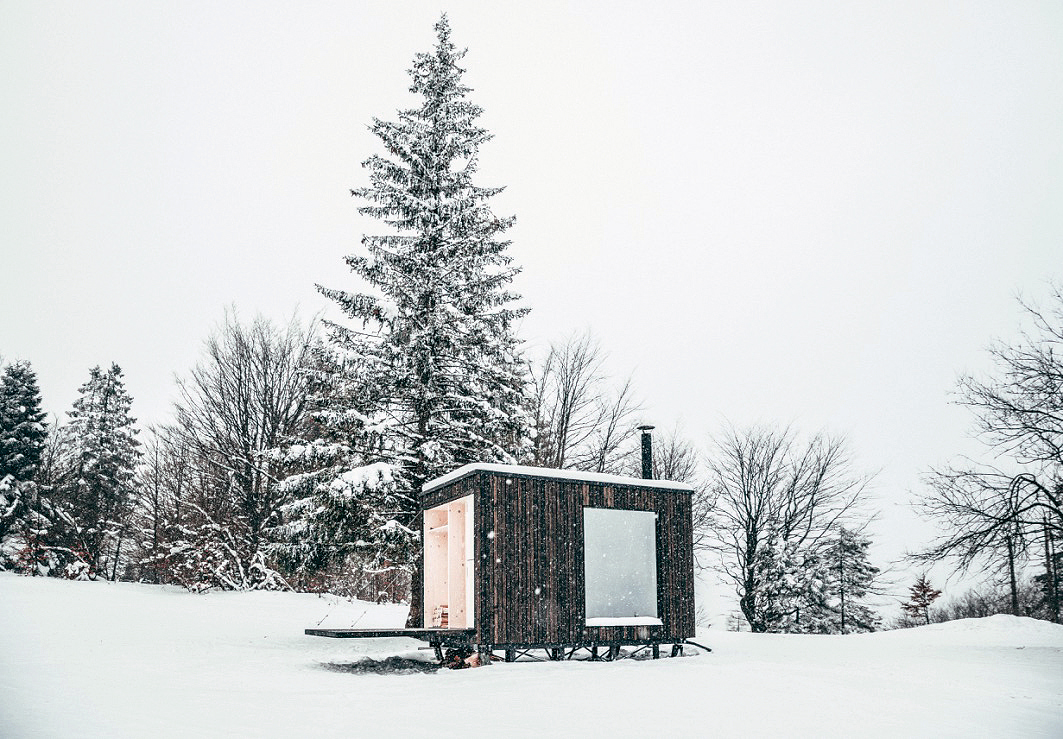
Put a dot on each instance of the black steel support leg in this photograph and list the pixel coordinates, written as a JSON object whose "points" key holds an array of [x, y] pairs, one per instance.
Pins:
{"points": [[511, 655], [439, 651], [656, 651], [677, 650]]}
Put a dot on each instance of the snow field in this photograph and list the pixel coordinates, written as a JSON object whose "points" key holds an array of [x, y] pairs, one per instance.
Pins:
{"points": [[120, 660]]}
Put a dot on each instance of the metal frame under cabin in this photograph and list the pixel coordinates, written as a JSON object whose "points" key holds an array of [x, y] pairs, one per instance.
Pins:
{"points": [[515, 566]]}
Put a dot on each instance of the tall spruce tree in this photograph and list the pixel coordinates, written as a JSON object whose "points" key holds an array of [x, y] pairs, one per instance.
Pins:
{"points": [[23, 432], [430, 376], [106, 455]]}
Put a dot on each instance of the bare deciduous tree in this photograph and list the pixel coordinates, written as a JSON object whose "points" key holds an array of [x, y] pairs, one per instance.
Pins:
{"points": [[676, 458], [167, 487], [979, 512], [766, 483], [579, 420], [235, 409], [989, 516]]}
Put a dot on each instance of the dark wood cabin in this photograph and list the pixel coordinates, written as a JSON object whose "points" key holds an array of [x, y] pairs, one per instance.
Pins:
{"points": [[523, 557]]}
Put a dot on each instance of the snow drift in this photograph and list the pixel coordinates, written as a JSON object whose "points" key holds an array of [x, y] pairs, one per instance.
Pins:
{"points": [[119, 660]]}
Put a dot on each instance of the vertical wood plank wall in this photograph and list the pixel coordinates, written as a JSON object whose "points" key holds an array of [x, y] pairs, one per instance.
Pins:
{"points": [[435, 559], [456, 511], [529, 558]]}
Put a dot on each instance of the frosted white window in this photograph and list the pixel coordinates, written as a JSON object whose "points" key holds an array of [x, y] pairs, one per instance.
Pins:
{"points": [[620, 564]]}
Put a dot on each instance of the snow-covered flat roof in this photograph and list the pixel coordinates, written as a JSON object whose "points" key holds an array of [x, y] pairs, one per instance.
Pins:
{"points": [[517, 469]]}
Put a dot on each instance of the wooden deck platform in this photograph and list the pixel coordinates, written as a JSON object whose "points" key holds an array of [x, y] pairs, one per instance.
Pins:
{"points": [[428, 635]]}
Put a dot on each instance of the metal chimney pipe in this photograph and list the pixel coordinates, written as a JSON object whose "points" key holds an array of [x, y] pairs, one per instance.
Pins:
{"points": [[647, 452]]}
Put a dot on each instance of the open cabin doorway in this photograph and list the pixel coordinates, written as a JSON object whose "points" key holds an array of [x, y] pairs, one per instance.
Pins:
{"points": [[448, 565]]}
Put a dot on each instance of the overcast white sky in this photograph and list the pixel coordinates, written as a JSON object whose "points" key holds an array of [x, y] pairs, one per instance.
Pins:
{"points": [[817, 213]]}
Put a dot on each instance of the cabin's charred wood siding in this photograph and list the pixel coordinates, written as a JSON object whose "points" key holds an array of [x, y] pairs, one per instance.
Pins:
{"points": [[468, 485], [529, 556]]}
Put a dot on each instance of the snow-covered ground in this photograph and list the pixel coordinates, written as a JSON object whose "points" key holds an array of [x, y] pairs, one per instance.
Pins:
{"points": [[81, 659]]}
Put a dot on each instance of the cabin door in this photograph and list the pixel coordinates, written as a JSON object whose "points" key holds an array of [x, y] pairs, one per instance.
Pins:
{"points": [[448, 565]]}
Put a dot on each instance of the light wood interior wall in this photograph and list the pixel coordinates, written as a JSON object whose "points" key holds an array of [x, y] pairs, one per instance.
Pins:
{"points": [[447, 559], [435, 561], [456, 562]]}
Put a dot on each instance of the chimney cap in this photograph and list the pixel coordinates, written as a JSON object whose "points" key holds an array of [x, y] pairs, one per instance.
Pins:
{"points": [[646, 427]]}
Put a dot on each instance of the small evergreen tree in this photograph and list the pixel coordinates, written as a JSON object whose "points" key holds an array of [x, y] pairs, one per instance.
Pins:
{"points": [[921, 596], [23, 433], [431, 376], [852, 578], [106, 455]]}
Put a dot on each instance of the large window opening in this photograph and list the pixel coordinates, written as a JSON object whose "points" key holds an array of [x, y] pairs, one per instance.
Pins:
{"points": [[620, 567], [448, 565]]}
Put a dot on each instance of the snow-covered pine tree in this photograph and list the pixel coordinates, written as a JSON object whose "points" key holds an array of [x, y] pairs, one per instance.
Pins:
{"points": [[449, 373], [920, 597], [431, 374], [106, 456], [793, 589], [22, 422], [775, 584], [852, 578], [23, 432]]}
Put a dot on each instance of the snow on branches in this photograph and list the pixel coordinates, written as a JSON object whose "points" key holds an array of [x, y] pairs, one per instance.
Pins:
{"points": [[428, 375]]}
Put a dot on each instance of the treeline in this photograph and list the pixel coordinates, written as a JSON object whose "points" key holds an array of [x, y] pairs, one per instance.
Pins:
{"points": [[252, 486], [256, 483], [1027, 598]]}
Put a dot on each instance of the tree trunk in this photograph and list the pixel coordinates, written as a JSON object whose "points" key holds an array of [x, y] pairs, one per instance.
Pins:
{"points": [[1011, 575], [1051, 581], [841, 583], [117, 554], [416, 618], [749, 609]]}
